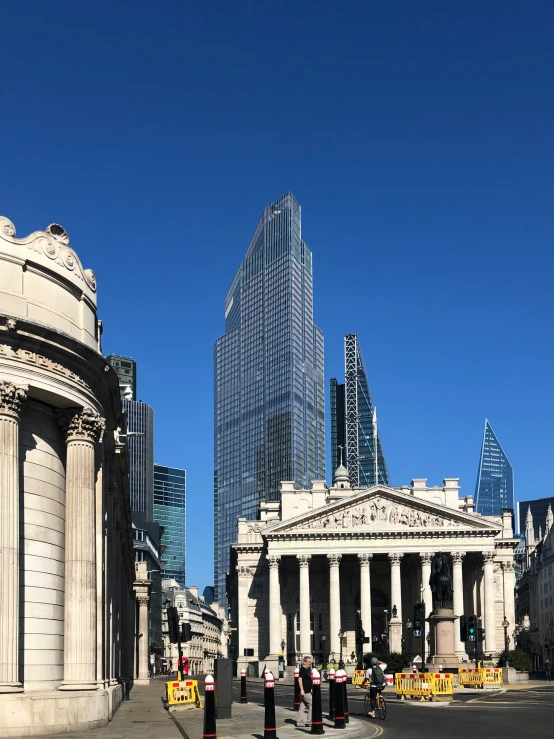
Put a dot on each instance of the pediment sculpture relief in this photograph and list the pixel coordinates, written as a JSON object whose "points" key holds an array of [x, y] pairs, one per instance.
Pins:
{"points": [[375, 514]]}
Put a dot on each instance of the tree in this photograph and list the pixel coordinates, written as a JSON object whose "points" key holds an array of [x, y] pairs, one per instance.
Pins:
{"points": [[396, 662], [517, 658]]}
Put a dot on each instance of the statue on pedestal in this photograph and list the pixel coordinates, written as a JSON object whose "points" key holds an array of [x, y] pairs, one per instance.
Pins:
{"points": [[440, 581]]}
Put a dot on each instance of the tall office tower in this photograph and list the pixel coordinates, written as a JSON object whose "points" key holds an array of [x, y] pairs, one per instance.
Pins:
{"points": [[354, 431], [140, 446], [539, 511], [269, 393], [170, 488], [494, 490], [126, 371]]}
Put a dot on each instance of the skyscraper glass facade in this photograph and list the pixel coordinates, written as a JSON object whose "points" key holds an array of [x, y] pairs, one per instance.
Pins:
{"points": [[268, 367], [140, 446], [495, 478], [170, 488], [539, 509], [126, 371], [354, 423]]}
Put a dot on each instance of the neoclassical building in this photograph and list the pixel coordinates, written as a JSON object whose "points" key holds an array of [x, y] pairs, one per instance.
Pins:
{"points": [[320, 560], [67, 607]]}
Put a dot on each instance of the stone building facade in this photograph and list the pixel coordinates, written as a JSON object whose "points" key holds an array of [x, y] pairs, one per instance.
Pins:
{"points": [[320, 559], [67, 606]]}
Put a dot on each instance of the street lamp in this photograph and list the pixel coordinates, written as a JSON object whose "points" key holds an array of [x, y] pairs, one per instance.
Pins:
{"points": [[323, 640], [386, 634], [505, 625], [341, 663]]}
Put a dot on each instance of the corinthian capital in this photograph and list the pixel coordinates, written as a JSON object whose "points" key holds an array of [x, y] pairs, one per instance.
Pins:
{"points": [[304, 559], [488, 557], [508, 566], [334, 559], [84, 425], [12, 398], [395, 559], [365, 558], [426, 558], [457, 557], [273, 560]]}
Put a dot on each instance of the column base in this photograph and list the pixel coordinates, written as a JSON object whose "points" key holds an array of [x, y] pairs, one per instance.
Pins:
{"points": [[11, 688], [78, 685], [395, 635], [272, 664]]}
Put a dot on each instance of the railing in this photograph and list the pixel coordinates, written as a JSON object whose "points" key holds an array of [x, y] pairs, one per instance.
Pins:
{"points": [[423, 685]]}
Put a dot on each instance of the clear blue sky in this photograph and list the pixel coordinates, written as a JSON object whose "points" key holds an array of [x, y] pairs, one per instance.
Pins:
{"points": [[418, 138]]}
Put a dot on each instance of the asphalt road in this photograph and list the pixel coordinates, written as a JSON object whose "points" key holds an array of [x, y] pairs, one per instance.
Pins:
{"points": [[512, 715]]}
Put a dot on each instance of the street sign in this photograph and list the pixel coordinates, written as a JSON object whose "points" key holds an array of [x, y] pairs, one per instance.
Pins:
{"points": [[417, 633]]}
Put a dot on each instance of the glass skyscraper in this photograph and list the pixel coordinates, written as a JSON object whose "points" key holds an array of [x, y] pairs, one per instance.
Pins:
{"points": [[539, 509], [126, 371], [495, 478], [140, 445], [269, 392], [170, 488], [354, 432]]}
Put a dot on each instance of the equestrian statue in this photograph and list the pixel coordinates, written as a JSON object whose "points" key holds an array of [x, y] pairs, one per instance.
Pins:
{"points": [[441, 581]]}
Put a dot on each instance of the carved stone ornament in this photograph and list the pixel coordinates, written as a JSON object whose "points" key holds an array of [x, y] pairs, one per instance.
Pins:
{"points": [[458, 557], [365, 559], [304, 559], [334, 559], [12, 398], [84, 425], [426, 557], [395, 559], [53, 243], [243, 571], [372, 515], [508, 566], [273, 560], [143, 600], [488, 557], [11, 324]]}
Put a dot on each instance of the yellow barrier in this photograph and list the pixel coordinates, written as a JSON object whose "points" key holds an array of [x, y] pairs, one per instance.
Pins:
{"points": [[179, 693], [358, 677], [442, 683], [413, 684], [492, 676]]}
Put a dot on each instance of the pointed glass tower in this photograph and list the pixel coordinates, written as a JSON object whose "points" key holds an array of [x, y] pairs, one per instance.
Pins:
{"points": [[495, 479], [354, 423], [269, 393]]}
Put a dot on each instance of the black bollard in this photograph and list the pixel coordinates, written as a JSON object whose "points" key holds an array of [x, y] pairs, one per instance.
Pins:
{"points": [[317, 711], [210, 731], [243, 693], [339, 699], [270, 728], [344, 685], [331, 695], [296, 690]]}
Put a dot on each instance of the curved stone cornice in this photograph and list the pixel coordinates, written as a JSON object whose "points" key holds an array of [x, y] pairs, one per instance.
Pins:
{"points": [[52, 247], [12, 398], [84, 425]]}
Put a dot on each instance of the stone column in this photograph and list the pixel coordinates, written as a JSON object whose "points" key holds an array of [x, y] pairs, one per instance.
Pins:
{"points": [[305, 641], [458, 600], [426, 559], [489, 612], [83, 432], [274, 605], [509, 597], [11, 399], [143, 602], [365, 594], [244, 578], [395, 622], [334, 603]]}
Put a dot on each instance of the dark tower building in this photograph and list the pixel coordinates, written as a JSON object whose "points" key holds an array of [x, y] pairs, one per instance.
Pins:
{"points": [[354, 423], [269, 394], [494, 490], [126, 371]]}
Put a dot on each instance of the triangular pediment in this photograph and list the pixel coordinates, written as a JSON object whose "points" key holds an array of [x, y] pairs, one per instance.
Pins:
{"points": [[381, 509]]}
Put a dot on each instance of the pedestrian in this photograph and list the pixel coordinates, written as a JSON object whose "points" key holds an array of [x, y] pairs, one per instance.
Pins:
{"points": [[170, 667], [548, 669], [305, 685]]}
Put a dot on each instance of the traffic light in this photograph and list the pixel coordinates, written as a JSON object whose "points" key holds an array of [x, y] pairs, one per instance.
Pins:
{"points": [[480, 634], [419, 619], [173, 624], [463, 628], [471, 628], [186, 632]]}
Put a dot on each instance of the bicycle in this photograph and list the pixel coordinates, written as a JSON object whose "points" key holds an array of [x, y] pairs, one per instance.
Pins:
{"points": [[380, 705]]}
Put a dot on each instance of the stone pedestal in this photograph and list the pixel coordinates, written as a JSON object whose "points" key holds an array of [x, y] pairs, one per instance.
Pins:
{"points": [[442, 623], [395, 635]]}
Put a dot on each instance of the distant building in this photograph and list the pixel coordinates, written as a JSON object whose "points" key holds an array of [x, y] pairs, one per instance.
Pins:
{"points": [[355, 438], [539, 509], [494, 491], [147, 549], [209, 594], [170, 513], [269, 391], [140, 443], [126, 371]]}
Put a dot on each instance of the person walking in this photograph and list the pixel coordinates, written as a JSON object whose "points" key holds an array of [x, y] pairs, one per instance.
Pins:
{"points": [[305, 685], [547, 669]]}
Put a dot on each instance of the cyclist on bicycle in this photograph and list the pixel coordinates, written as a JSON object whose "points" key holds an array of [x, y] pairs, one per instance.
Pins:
{"points": [[375, 676]]}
